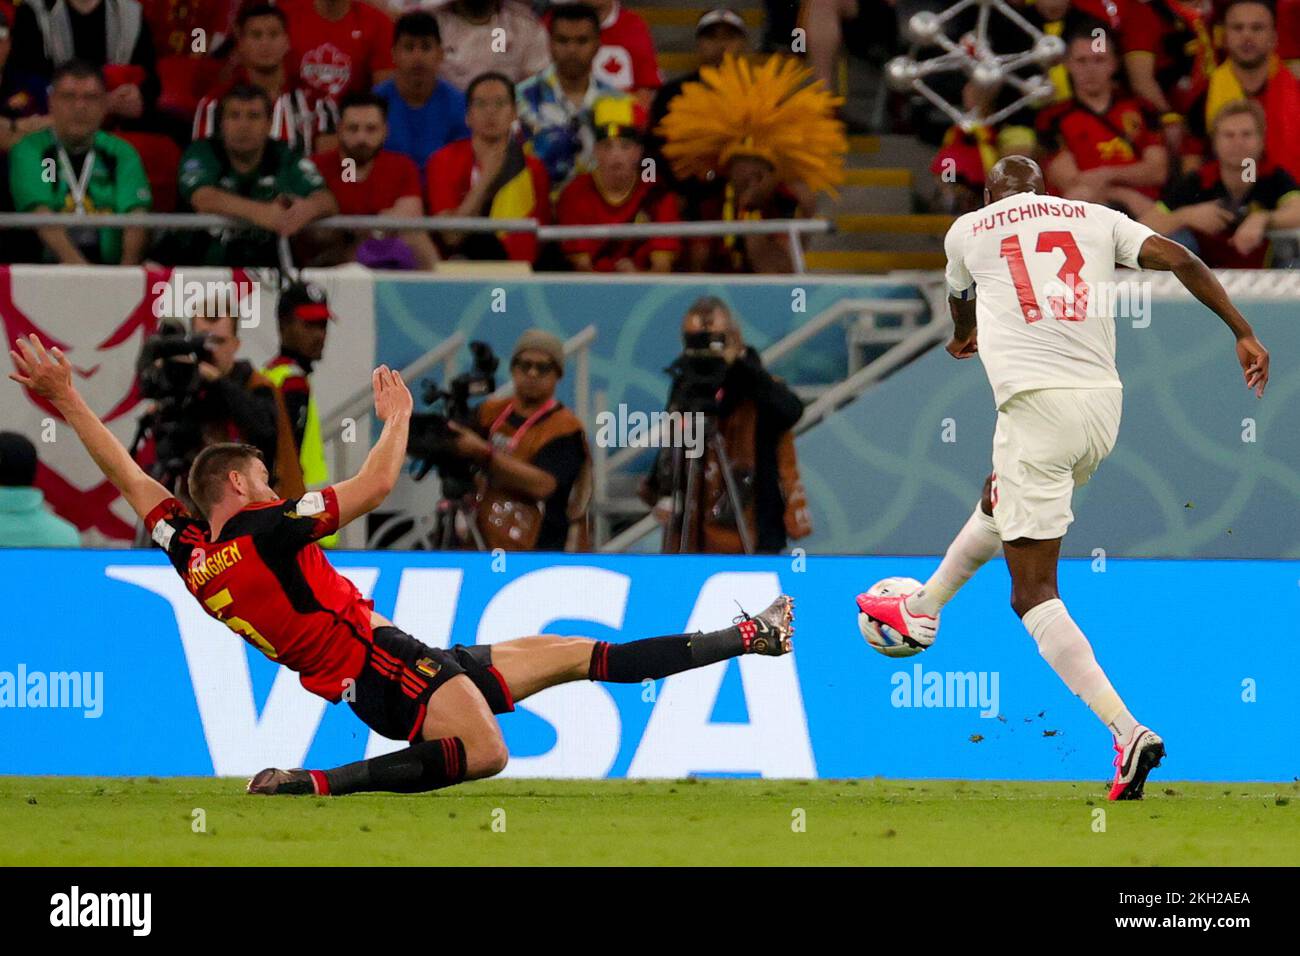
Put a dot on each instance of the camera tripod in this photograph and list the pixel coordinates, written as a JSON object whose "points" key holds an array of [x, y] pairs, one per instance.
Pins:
{"points": [[688, 476]]}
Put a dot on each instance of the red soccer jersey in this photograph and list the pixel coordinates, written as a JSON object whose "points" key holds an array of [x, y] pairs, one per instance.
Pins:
{"points": [[334, 57], [1114, 138], [391, 177], [582, 203], [267, 580]]}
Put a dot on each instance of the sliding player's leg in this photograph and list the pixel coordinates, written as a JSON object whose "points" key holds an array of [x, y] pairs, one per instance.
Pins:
{"points": [[1062, 644], [531, 664], [441, 701]]}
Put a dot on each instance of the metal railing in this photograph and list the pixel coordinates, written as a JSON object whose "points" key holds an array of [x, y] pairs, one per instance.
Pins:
{"points": [[794, 229]]}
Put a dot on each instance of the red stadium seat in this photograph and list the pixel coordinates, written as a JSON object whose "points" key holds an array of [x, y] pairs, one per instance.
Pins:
{"points": [[162, 159]]}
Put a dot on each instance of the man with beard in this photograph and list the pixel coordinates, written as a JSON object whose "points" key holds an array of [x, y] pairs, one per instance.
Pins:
{"points": [[245, 174], [1253, 71], [368, 180]]}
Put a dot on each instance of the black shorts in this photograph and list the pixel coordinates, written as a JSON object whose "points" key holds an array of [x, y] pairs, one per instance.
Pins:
{"points": [[401, 674]]}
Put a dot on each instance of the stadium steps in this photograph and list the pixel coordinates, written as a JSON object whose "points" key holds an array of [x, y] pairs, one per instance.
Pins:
{"points": [[876, 229]]}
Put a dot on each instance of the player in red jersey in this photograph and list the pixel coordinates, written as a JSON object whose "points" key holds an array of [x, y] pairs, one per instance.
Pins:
{"points": [[255, 566]]}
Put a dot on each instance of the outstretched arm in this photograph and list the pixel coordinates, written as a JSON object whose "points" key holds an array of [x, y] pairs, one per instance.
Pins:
{"points": [[367, 490], [49, 375], [1166, 255]]}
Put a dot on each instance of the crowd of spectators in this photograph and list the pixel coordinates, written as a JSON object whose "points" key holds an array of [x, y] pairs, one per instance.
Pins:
{"points": [[1185, 115], [278, 113]]}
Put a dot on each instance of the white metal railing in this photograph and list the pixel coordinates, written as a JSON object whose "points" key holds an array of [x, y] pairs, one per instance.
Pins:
{"points": [[795, 229]]}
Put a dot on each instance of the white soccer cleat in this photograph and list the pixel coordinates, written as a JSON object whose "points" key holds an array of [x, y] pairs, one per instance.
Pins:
{"points": [[1133, 761]]}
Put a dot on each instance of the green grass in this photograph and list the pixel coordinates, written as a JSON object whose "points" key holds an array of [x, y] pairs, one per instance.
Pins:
{"points": [[149, 821]]}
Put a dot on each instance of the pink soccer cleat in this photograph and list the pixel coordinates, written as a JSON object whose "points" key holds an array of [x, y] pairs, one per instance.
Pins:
{"points": [[892, 611]]}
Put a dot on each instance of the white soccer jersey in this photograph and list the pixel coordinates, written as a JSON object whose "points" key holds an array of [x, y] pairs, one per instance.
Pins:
{"points": [[1042, 270]]}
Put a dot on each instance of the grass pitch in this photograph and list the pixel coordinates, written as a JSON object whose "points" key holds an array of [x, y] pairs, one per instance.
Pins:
{"points": [[70, 821]]}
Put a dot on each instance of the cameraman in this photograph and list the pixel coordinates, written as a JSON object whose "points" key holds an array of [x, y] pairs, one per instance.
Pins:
{"points": [[532, 456], [203, 395], [754, 413]]}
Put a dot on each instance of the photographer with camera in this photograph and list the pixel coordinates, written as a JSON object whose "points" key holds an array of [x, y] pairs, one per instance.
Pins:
{"points": [[531, 454], [747, 493], [202, 394]]}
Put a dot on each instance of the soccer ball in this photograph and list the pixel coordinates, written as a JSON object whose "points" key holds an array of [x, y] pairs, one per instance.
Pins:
{"points": [[882, 637]]}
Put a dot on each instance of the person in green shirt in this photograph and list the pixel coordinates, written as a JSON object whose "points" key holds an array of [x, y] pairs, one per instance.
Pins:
{"points": [[74, 166], [242, 172], [26, 521]]}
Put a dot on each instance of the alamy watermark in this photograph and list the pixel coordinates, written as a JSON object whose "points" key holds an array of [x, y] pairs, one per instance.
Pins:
{"points": [[182, 298], [73, 690], [622, 428], [955, 689]]}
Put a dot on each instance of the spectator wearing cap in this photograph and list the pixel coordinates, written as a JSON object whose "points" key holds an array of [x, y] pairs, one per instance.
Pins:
{"points": [[489, 175], [303, 315], [368, 180], [243, 173], [718, 32], [555, 105], [96, 172], [26, 521], [425, 113], [532, 456], [615, 193]]}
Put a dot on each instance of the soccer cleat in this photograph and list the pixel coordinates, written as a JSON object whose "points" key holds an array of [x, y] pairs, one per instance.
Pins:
{"points": [[291, 782], [770, 631], [1133, 761], [893, 612]]}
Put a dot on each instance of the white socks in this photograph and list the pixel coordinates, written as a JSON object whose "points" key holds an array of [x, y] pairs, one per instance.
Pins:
{"points": [[975, 545], [1067, 651]]}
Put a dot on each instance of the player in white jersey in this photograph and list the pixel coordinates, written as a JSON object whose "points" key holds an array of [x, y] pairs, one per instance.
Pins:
{"points": [[1048, 346]]}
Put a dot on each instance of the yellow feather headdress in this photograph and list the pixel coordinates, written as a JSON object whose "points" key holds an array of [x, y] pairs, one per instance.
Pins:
{"points": [[770, 112]]}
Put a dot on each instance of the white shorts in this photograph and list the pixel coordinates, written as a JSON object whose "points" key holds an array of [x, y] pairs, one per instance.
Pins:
{"points": [[1047, 443]]}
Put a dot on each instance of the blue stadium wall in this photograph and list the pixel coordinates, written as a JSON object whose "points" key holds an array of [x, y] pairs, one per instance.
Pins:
{"points": [[180, 694]]}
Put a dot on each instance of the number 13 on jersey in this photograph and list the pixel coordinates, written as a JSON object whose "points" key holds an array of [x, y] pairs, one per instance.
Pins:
{"points": [[1076, 309]]}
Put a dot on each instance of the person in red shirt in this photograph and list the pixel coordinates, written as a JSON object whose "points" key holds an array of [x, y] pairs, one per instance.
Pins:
{"points": [[253, 563], [489, 174], [339, 45], [1168, 57], [368, 180], [1102, 148], [261, 51], [616, 193], [626, 60], [185, 32]]}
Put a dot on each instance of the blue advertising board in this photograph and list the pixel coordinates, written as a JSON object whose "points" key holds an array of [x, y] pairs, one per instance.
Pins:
{"points": [[161, 689]]}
